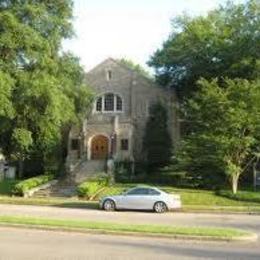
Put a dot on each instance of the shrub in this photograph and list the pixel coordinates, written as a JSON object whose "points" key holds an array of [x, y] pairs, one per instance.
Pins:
{"points": [[244, 195], [177, 179], [89, 188], [6, 186], [28, 184], [123, 171]]}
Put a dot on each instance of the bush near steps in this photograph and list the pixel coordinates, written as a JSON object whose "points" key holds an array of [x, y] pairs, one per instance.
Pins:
{"points": [[91, 187], [23, 186]]}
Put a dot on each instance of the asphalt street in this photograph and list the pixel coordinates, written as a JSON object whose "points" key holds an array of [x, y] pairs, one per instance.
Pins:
{"points": [[19, 243], [25, 244]]}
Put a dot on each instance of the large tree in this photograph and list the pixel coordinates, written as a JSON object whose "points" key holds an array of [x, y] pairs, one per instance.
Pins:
{"points": [[41, 89], [157, 143], [225, 43], [226, 127]]}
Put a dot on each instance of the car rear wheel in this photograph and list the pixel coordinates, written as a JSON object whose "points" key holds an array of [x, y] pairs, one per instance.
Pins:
{"points": [[160, 207], [109, 205]]}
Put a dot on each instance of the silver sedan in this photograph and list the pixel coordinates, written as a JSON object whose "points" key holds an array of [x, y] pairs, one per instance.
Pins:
{"points": [[142, 198]]}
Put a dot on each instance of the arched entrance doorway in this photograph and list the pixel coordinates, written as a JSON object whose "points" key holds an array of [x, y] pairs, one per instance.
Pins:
{"points": [[99, 147]]}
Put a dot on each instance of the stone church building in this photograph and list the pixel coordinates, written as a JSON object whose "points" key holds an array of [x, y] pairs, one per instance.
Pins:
{"points": [[115, 127]]}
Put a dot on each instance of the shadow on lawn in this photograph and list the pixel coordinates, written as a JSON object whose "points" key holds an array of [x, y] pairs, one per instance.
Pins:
{"points": [[245, 196]]}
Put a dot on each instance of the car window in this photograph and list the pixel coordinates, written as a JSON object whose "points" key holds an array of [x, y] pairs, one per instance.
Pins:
{"points": [[154, 192], [138, 191]]}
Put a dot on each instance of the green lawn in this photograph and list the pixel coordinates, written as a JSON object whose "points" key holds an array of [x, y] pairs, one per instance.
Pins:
{"points": [[57, 202], [193, 197], [211, 232], [6, 186], [211, 198]]}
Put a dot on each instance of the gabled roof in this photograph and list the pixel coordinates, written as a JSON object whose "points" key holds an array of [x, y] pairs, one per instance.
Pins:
{"points": [[101, 64], [136, 75], [122, 65]]}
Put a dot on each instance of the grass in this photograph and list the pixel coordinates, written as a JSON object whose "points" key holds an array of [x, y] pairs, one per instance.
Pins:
{"points": [[75, 203], [203, 200], [58, 202], [6, 186], [209, 198], [193, 197], [217, 233]]}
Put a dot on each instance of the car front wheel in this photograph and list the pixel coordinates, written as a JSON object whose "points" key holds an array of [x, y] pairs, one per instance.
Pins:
{"points": [[160, 207], [109, 205]]}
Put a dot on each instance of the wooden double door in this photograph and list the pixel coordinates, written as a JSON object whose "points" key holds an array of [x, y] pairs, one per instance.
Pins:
{"points": [[99, 147]]}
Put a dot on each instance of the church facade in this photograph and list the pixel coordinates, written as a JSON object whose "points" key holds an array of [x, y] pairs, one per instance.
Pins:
{"points": [[116, 125]]}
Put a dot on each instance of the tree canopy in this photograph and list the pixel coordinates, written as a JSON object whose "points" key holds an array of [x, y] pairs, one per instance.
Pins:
{"points": [[214, 63], [225, 127], [41, 88], [225, 43]]}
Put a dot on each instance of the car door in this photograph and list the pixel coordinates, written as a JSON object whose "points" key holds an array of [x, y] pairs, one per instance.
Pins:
{"points": [[152, 197], [136, 199]]}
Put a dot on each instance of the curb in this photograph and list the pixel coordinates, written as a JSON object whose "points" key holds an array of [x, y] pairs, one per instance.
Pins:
{"points": [[250, 238]]}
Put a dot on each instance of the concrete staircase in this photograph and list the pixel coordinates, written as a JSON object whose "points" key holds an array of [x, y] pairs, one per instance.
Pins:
{"points": [[62, 188], [88, 170], [67, 187]]}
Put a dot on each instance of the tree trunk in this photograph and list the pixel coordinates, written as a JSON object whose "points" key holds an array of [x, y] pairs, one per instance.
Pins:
{"points": [[20, 168], [234, 180]]}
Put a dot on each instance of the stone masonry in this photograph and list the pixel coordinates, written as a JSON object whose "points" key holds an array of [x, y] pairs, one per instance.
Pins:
{"points": [[115, 127]]}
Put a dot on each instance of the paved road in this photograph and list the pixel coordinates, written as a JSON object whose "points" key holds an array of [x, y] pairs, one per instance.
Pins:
{"points": [[35, 244], [248, 222], [25, 244]]}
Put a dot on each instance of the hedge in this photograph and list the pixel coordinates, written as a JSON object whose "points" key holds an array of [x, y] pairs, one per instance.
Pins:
{"points": [[89, 188], [22, 187]]}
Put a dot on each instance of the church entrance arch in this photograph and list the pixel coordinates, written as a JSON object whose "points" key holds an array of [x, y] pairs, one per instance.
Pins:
{"points": [[99, 147]]}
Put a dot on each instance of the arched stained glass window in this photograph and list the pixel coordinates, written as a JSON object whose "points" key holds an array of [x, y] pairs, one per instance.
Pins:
{"points": [[109, 102]]}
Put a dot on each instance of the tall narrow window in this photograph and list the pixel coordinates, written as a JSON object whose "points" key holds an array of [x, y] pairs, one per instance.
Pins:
{"points": [[109, 74], [124, 144], [99, 104], [109, 102], [74, 144], [118, 103]]}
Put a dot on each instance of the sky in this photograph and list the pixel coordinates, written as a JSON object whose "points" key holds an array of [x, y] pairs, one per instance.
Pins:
{"points": [[132, 29]]}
